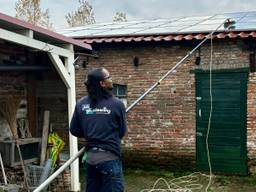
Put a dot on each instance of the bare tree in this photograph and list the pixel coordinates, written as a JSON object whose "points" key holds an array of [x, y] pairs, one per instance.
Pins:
{"points": [[82, 16], [30, 11], [120, 17]]}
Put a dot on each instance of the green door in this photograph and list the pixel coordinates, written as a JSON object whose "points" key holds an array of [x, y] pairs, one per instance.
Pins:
{"points": [[227, 138]]}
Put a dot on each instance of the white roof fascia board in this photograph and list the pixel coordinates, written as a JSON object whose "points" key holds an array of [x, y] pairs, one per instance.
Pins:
{"points": [[33, 43]]}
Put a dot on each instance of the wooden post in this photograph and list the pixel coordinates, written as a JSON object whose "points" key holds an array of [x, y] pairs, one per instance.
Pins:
{"points": [[45, 136], [32, 106], [73, 143]]}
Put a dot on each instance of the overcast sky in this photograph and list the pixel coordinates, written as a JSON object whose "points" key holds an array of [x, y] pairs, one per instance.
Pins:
{"points": [[104, 10]]}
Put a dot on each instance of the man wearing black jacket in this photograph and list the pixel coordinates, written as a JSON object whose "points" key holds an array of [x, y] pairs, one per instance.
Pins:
{"points": [[100, 118]]}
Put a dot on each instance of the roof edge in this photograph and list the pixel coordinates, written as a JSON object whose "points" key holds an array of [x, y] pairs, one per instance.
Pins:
{"points": [[44, 31], [170, 37]]}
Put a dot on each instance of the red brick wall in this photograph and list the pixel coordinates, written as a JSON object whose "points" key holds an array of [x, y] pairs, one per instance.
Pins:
{"points": [[162, 125], [251, 116], [12, 84]]}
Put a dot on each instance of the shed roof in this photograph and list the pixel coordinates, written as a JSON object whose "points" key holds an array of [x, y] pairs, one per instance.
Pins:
{"points": [[16, 25], [177, 28]]}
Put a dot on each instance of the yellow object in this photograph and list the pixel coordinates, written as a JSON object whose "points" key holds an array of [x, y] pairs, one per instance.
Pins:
{"points": [[57, 145]]}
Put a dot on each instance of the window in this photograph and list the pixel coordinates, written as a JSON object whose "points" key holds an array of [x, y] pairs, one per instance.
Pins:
{"points": [[120, 91]]}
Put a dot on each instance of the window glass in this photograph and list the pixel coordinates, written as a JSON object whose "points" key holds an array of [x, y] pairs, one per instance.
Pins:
{"points": [[120, 91]]}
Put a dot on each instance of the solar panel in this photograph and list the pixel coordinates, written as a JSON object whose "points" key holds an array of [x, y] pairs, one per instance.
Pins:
{"points": [[248, 19], [116, 32], [195, 18], [213, 21], [251, 14], [160, 30], [201, 28], [235, 16], [245, 26], [180, 23], [244, 21]]}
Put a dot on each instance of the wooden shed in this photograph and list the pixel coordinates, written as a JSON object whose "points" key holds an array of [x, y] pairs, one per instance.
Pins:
{"points": [[37, 66]]}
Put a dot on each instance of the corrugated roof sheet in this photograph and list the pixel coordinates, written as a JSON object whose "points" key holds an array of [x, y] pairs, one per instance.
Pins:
{"points": [[178, 28]]}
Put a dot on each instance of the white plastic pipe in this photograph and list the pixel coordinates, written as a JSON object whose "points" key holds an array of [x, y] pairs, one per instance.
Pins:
{"points": [[2, 167], [56, 173]]}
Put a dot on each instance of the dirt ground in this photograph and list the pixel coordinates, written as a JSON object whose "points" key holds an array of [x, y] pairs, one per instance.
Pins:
{"points": [[149, 181], [138, 180]]}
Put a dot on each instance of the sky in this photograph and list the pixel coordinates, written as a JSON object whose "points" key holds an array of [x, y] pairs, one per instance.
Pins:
{"points": [[104, 10]]}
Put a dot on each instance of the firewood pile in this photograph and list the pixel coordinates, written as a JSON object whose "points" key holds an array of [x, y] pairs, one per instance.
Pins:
{"points": [[60, 184], [15, 176]]}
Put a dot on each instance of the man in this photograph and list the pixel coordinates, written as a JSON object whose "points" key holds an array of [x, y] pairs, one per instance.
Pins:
{"points": [[101, 119]]}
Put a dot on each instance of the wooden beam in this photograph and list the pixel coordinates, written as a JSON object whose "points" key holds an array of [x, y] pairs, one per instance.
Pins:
{"points": [[23, 68], [68, 47], [33, 43], [61, 69]]}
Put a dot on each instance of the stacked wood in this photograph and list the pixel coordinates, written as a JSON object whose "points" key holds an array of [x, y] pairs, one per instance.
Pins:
{"points": [[15, 176], [62, 183]]}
